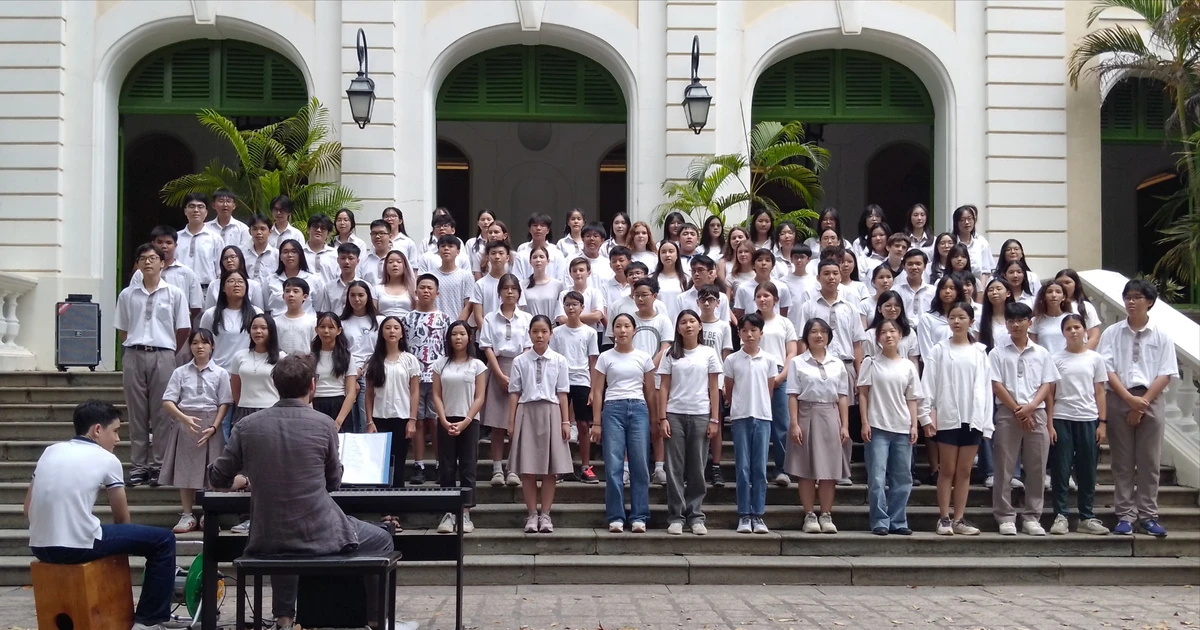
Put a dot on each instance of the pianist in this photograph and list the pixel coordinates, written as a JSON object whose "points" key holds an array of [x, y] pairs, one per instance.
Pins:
{"points": [[291, 453]]}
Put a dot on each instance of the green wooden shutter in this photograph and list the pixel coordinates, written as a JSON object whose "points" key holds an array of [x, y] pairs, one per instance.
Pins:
{"points": [[841, 86], [1135, 110]]}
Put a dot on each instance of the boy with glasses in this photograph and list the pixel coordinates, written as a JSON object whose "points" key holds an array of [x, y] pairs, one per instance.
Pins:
{"points": [[198, 247], [230, 230], [370, 268]]}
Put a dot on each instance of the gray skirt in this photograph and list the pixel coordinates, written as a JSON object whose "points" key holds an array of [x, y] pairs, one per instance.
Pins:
{"points": [[185, 463], [537, 446], [821, 455], [495, 405]]}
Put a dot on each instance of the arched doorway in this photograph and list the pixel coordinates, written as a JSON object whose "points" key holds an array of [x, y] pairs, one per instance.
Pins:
{"points": [[853, 103], [454, 185], [535, 121], [898, 178], [149, 161], [614, 182]]}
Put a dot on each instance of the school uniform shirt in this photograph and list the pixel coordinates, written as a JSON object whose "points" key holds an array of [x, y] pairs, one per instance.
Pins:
{"points": [[411, 249], [458, 384], [816, 381], [231, 339], [1091, 318], [981, 255], [541, 299], [393, 399], [1138, 357], [323, 263], [866, 308], [743, 298], [1022, 372], [183, 278], [150, 318], [690, 300], [578, 345], [815, 245], [476, 254], [1048, 329], [332, 296], [854, 291], [893, 383], [906, 348], [916, 301], [65, 482], [254, 293], [600, 273], [570, 247], [289, 233], [257, 387], [507, 337], [370, 267], [296, 335], [556, 268], [842, 317], [718, 335], [777, 333], [388, 304], [650, 334], [261, 266], [200, 252], [925, 240], [275, 302], [362, 245], [430, 244], [1075, 392], [783, 265], [361, 334], [624, 373], [593, 301], [1027, 299], [486, 293], [539, 377], [626, 305], [193, 388], [689, 380], [932, 330], [329, 384], [453, 290], [613, 292], [751, 395], [802, 288], [648, 258], [425, 332], [1000, 334], [958, 385], [430, 261], [235, 233]]}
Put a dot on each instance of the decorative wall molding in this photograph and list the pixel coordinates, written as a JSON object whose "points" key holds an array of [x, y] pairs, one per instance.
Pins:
{"points": [[850, 16], [530, 13]]}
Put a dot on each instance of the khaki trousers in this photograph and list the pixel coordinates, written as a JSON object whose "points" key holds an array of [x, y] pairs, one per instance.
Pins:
{"points": [[144, 377], [1033, 447], [1136, 456]]}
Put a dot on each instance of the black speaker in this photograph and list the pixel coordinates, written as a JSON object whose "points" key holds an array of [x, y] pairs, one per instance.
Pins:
{"points": [[77, 333]]}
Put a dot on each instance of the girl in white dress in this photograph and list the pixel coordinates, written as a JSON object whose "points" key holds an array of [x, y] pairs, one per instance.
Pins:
{"points": [[459, 390], [671, 277], [395, 294], [393, 377], [1048, 313]]}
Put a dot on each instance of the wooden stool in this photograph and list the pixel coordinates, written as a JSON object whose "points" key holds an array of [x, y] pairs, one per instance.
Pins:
{"points": [[96, 595]]}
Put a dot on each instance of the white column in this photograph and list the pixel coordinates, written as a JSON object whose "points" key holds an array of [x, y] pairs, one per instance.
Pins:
{"points": [[649, 165], [686, 19]]}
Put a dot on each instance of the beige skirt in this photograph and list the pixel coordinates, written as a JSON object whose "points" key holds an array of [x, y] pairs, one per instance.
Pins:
{"points": [[537, 446], [495, 405], [185, 463], [821, 455]]}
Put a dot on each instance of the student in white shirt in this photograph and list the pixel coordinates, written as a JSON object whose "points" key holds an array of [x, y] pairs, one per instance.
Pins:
{"points": [[785, 242], [689, 415], [539, 230], [577, 341], [689, 242], [60, 502], [459, 390], [750, 375], [232, 259], [485, 295], [965, 218], [801, 284], [933, 327], [1141, 362], [743, 299], [360, 324], [704, 273], [888, 393], [957, 384], [541, 291], [939, 257], [454, 281], [292, 264], [779, 339], [283, 230], [890, 307], [333, 294], [321, 258], [539, 423], [250, 372], [671, 278], [876, 252], [198, 247], [1079, 303], [476, 246], [296, 328], [881, 282], [571, 244], [916, 227], [261, 257], [736, 265], [618, 233], [197, 397], [397, 286], [870, 217], [370, 264], [1013, 251], [337, 372], [622, 424], [1018, 283], [164, 238], [622, 296], [593, 313], [1022, 376], [229, 319], [653, 335], [852, 287], [1078, 412], [393, 378], [398, 235], [641, 245], [343, 230], [818, 389], [593, 244], [1048, 313], [425, 329], [717, 334], [503, 336], [152, 318], [443, 225], [916, 293], [231, 231]]}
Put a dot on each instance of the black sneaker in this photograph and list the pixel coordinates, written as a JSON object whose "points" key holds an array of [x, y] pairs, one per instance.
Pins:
{"points": [[137, 478], [154, 479], [418, 477], [718, 480]]}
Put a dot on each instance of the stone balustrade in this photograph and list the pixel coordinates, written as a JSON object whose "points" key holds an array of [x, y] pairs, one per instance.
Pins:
{"points": [[13, 356]]}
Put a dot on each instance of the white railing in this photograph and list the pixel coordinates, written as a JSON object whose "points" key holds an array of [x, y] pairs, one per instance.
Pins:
{"points": [[13, 356], [1181, 440]]}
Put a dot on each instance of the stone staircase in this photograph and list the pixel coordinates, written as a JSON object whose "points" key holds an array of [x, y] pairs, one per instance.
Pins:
{"points": [[35, 411]]}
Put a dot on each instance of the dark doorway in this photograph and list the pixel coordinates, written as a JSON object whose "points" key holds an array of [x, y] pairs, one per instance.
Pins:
{"points": [[150, 162], [1152, 194], [454, 187], [898, 178], [612, 197]]}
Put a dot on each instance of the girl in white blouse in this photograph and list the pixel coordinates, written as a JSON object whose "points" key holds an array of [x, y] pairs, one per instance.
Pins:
{"points": [[541, 293], [958, 387], [671, 277], [539, 423], [360, 323], [459, 389], [1018, 283], [503, 336], [965, 219], [1079, 303], [881, 282], [292, 264], [394, 294], [232, 258], [250, 372], [852, 289], [1048, 313], [890, 308], [393, 377], [779, 339], [818, 406], [1012, 250], [229, 320], [571, 244], [934, 327], [337, 373], [728, 257], [641, 244]]}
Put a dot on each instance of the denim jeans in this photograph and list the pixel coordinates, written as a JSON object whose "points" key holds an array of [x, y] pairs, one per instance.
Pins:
{"points": [[780, 423], [986, 463], [751, 437], [358, 415], [155, 544], [227, 423], [625, 430], [889, 465]]}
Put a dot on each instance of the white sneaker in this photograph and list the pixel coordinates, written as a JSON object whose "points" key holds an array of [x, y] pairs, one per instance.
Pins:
{"points": [[699, 529], [759, 526], [963, 528], [1060, 525], [990, 481], [512, 480], [659, 477], [574, 434], [616, 527], [1045, 481], [625, 478], [1071, 483], [945, 527], [406, 625], [826, 522], [531, 524], [467, 525], [845, 482], [1033, 528], [187, 523], [638, 527], [744, 525], [1008, 529], [782, 480], [811, 524], [1017, 484], [241, 528], [447, 524], [675, 529], [498, 478], [1092, 526]]}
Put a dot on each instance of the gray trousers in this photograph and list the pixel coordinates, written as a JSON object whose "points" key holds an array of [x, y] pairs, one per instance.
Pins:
{"points": [[1009, 442], [1136, 456], [687, 452], [144, 377], [371, 539]]}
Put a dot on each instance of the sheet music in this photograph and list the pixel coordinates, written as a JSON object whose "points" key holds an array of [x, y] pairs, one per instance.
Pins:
{"points": [[366, 458]]}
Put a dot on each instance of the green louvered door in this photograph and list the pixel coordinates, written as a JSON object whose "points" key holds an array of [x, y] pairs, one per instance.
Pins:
{"points": [[1135, 110], [850, 86]]}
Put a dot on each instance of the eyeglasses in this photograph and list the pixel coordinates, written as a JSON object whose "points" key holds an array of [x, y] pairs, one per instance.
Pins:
{"points": [[195, 206], [148, 259]]}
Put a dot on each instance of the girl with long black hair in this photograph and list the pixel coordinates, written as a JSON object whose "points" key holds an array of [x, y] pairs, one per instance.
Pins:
{"points": [[337, 373], [393, 377]]}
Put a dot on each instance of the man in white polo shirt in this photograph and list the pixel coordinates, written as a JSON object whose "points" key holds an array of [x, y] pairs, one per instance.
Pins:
{"points": [[62, 528], [199, 248], [231, 231]]}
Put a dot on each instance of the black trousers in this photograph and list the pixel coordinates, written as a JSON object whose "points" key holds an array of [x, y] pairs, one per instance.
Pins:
{"points": [[458, 458], [397, 427]]}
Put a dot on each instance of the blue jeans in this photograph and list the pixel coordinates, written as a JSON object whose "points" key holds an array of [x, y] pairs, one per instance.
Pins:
{"points": [[358, 415], [889, 464], [751, 437], [625, 430], [155, 544], [227, 423], [986, 463], [780, 423]]}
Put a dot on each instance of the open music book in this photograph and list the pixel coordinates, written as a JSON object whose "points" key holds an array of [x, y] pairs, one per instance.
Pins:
{"points": [[366, 458]]}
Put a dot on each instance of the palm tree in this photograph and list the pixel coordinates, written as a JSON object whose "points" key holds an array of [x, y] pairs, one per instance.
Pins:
{"points": [[778, 154], [283, 158], [1181, 230]]}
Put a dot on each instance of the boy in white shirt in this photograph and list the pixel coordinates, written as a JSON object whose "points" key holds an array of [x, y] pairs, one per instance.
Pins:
{"points": [[716, 333], [616, 286], [743, 300], [539, 230], [593, 238], [454, 282], [283, 230], [485, 296], [1023, 374], [296, 328], [198, 247], [704, 273], [800, 283], [333, 293], [689, 240], [443, 224], [654, 334], [576, 341], [262, 259], [425, 329], [164, 238], [914, 291], [152, 317], [593, 310], [1140, 358], [231, 231], [750, 376], [370, 265], [322, 259], [634, 271]]}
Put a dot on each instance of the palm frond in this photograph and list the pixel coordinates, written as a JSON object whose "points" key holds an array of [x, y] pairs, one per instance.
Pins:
{"points": [[1115, 46], [224, 128], [1149, 10]]}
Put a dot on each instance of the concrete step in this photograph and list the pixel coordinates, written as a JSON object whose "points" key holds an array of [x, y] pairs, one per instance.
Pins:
{"points": [[61, 395], [61, 413], [80, 378]]}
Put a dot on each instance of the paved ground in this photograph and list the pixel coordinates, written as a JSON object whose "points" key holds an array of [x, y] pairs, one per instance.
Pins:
{"points": [[750, 608]]}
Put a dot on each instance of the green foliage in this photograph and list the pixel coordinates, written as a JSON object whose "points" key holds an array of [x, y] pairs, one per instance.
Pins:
{"points": [[1178, 222], [280, 159]]}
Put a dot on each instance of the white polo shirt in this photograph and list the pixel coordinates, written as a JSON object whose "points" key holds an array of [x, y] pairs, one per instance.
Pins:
{"points": [[150, 318], [841, 315], [1155, 355], [261, 266], [322, 263], [506, 337], [751, 394], [235, 233], [65, 482], [201, 252], [275, 237], [182, 277], [1022, 372], [539, 377]]}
